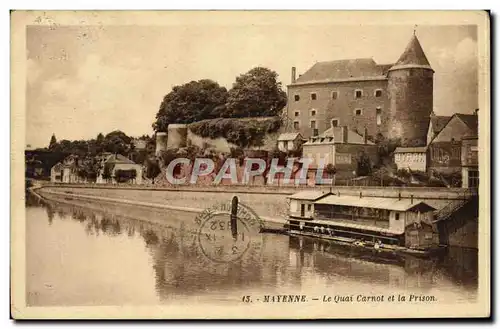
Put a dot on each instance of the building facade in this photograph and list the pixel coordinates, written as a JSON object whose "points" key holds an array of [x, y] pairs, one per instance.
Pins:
{"points": [[340, 147], [470, 162], [412, 158], [391, 100], [445, 149], [290, 142]]}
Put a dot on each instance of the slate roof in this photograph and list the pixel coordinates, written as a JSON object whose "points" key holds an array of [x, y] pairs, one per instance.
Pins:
{"points": [[352, 136], [438, 122], [412, 56], [346, 69], [374, 202], [119, 159], [289, 136], [470, 120]]}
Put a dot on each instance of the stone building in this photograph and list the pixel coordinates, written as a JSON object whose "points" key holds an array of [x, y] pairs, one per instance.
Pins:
{"points": [[446, 147], [470, 162], [340, 147], [393, 100], [66, 171], [118, 162]]}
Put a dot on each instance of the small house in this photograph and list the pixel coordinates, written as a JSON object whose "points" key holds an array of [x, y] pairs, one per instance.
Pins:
{"points": [[66, 171], [302, 203], [412, 158], [290, 142]]}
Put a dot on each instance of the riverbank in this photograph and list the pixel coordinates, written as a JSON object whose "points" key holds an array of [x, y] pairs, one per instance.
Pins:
{"points": [[271, 209]]}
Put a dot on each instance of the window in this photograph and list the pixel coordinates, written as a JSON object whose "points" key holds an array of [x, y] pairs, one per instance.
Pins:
{"points": [[313, 113], [308, 207], [295, 125], [379, 116], [358, 93], [335, 94], [397, 216], [297, 98], [378, 93], [473, 178], [358, 112], [296, 113], [285, 144], [313, 124], [313, 96], [335, 122]]}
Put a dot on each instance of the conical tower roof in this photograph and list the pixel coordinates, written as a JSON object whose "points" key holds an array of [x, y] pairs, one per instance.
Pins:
{"points": [[412, 57]]}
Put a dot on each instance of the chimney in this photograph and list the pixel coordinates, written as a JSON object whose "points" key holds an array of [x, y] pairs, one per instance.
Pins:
{"points": [[365, 135], [411, 199], [294, 74], [344, 134]]}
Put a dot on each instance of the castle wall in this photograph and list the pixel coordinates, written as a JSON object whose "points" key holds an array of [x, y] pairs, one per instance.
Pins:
{"points": [[161, 142], [177, 136], [342, 108], [410, 105], [222, 145]]}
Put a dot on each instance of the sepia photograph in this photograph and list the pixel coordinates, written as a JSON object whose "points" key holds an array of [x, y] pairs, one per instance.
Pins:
{"points": [[250, 164]]}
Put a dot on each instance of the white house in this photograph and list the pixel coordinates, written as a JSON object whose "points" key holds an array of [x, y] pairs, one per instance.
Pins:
{"points": [[290, 142], [413, 158]]}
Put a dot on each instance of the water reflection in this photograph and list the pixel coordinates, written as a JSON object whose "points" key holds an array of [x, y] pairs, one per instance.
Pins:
{"points": [[273, 264]]}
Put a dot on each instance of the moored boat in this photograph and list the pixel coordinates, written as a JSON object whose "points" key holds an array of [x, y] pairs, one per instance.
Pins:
{"points": [[382, 225]]}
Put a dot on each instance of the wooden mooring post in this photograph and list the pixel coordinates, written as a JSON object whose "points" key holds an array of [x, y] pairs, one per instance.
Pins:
{"points": [[234, 217]]}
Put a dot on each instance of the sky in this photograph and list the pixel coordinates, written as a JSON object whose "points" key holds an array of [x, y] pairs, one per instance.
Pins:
{"points": [[86, 80]]}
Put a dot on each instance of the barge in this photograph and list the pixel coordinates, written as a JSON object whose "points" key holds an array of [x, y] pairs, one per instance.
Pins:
{"points": [[380, 225]]}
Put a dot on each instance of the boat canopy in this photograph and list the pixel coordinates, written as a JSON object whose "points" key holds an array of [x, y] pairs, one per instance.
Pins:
{"points": [[377, 203], [309, 195]]}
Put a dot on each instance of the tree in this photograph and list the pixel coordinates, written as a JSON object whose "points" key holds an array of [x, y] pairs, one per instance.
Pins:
{"points": [[53, 141], [256, 93], [117, 142], [191, 102], [364, 166], [107, 172], [125, 175], [152, 169], [100, 138], [331, 171]]}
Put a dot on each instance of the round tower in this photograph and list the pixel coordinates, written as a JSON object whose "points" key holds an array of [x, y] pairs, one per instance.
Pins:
{"points": [[177, 136], [410, 91], [161, 142]]}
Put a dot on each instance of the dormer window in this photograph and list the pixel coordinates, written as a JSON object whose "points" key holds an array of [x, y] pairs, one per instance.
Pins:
{"points": [[358, 93]]}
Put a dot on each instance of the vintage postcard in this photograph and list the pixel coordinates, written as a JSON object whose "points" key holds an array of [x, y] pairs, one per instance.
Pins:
{"points": [[250, 164]]}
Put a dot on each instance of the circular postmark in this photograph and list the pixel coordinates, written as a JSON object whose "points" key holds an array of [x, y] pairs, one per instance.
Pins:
{"points": [[226, 231]]}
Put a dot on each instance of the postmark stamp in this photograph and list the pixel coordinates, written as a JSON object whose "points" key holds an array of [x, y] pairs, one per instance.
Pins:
{"points": [[226, 231]]}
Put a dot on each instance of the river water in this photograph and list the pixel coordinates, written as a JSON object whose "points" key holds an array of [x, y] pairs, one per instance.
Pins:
{"points": [[90, 254]]}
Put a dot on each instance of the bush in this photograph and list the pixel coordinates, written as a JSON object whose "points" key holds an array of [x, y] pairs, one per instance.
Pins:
{"points": [[123, 176], [244, 133]]}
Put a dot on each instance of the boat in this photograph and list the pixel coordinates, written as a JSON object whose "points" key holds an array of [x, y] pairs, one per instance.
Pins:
{"points": [[379, 225]]}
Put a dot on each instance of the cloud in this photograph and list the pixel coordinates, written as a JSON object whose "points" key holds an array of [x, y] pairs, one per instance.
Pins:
{"points": [[456, 78]]}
